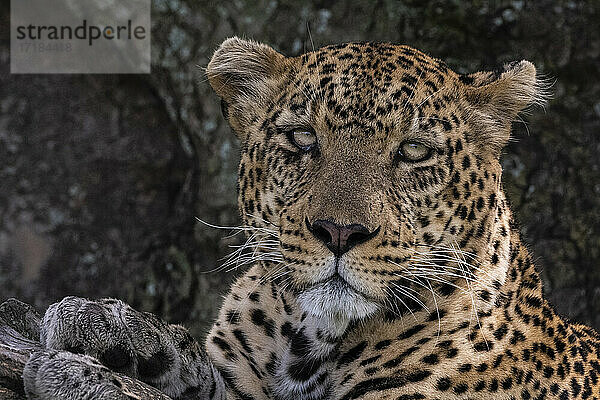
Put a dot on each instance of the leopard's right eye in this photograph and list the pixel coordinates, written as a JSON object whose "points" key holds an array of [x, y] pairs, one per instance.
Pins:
{"points": [[304, 139], [411, 151]]}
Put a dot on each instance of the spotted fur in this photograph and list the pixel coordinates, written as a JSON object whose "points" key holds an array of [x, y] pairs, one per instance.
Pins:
{"points": [[372, 275], [443, 301]]}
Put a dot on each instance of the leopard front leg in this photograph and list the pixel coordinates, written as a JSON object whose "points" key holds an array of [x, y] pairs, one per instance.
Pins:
{"points": [[127, 341], [304, 369], [266, 348], [54, 374]]}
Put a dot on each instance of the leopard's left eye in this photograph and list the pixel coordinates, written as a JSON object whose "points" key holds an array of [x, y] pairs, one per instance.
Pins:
{"points": [[304, 139], [411, 151]]}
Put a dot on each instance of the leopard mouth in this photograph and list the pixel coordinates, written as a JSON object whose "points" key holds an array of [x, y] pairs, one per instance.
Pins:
{"points": [[338, 283]]}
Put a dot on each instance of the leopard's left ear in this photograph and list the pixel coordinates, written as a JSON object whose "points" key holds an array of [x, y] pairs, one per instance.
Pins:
{"points": [[497, 97]]}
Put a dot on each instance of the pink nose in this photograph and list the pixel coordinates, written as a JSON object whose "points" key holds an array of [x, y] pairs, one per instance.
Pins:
{"points": [[340, 238]]}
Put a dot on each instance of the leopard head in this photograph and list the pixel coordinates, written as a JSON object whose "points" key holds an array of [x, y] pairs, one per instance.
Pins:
{"points": [[378, 167]]}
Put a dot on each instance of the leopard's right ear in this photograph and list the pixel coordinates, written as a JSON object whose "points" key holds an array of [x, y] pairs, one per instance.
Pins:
{"points": [[243, 73]]}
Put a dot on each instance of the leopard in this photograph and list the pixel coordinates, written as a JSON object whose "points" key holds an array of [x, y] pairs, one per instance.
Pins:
{"points": [[382, 258]]}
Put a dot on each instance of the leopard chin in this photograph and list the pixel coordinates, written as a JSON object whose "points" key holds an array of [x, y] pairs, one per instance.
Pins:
{"points": [[335, 304]]}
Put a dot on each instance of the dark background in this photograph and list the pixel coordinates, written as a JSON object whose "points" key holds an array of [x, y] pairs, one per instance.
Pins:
{"points": [[101, 176]]}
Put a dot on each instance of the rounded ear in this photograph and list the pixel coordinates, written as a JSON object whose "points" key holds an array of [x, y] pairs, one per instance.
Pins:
{"points": [[498, 96], [241, 69]]}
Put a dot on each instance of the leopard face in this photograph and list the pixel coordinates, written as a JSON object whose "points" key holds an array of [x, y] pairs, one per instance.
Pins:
{"points": [[375, 164]]}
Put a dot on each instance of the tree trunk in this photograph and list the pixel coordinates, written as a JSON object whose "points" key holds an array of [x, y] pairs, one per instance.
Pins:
{"points": [[19, 335]]}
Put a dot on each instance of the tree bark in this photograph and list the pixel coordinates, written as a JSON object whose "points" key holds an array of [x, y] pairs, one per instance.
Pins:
{"points": [[19, 335]]}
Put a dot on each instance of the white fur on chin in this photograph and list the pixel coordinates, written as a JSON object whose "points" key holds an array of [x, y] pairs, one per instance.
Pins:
{"points": [[335, 304]]}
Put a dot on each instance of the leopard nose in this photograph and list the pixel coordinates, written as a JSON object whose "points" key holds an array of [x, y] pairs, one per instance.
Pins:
{"points": [[340, 238]]}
